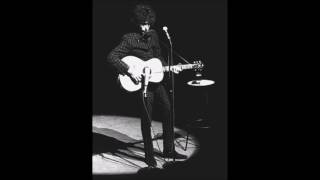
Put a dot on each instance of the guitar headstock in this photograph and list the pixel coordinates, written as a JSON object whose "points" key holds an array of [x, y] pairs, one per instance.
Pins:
{"points": [[198, 65]]}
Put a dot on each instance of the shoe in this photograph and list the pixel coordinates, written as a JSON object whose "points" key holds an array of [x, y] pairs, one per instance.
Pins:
{"points": [[151, 162], [174, 155]]}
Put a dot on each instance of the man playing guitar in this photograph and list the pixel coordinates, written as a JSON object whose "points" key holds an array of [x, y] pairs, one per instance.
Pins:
{"points": [[144, 44]]}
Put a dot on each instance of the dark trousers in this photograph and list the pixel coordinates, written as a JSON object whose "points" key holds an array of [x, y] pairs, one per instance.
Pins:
{"points": [[157, 102]]}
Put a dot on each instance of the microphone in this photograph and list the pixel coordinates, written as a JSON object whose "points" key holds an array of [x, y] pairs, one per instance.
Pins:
{"points": [[146, 72], [165, 28]]}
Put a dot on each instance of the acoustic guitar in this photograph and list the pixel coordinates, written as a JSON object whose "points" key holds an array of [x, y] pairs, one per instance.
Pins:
{"points": [[156, 71]]}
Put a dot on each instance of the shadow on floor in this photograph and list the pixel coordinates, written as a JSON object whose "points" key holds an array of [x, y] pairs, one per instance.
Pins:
{"points": [[113, 142]]}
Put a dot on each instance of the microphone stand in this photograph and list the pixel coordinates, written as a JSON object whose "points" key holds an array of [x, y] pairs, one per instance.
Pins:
{"points": [[172, 164], [171, 77], [170, 62]]}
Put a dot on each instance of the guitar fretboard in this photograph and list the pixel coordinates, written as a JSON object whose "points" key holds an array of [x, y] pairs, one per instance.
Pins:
{"points": [[183, 66]]}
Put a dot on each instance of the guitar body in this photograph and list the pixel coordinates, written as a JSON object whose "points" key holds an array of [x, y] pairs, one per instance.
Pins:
{"points": [[138, 65]]}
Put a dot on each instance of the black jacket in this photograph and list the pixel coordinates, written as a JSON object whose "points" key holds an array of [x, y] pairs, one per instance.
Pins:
{"points": [[134, 44]]}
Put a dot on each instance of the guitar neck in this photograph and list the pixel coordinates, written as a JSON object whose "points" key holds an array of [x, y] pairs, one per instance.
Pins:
{"points": [[182, 66]]}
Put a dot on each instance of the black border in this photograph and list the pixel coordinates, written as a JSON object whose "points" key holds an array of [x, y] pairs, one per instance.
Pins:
{"points": [[50, 91]]}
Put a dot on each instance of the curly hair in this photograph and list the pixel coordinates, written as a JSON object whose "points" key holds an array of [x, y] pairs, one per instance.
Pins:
{"points": [[143, 13]]}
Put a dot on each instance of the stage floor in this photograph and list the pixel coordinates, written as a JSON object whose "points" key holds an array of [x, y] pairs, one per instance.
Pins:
{"points": [[118, 145]]}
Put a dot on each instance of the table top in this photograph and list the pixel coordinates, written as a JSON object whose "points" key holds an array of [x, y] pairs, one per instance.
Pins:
{"points": [[201, 82]]}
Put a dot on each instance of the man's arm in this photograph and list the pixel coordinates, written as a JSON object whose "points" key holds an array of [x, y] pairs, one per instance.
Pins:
{"points": [[115, 56], [120, 51]]}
